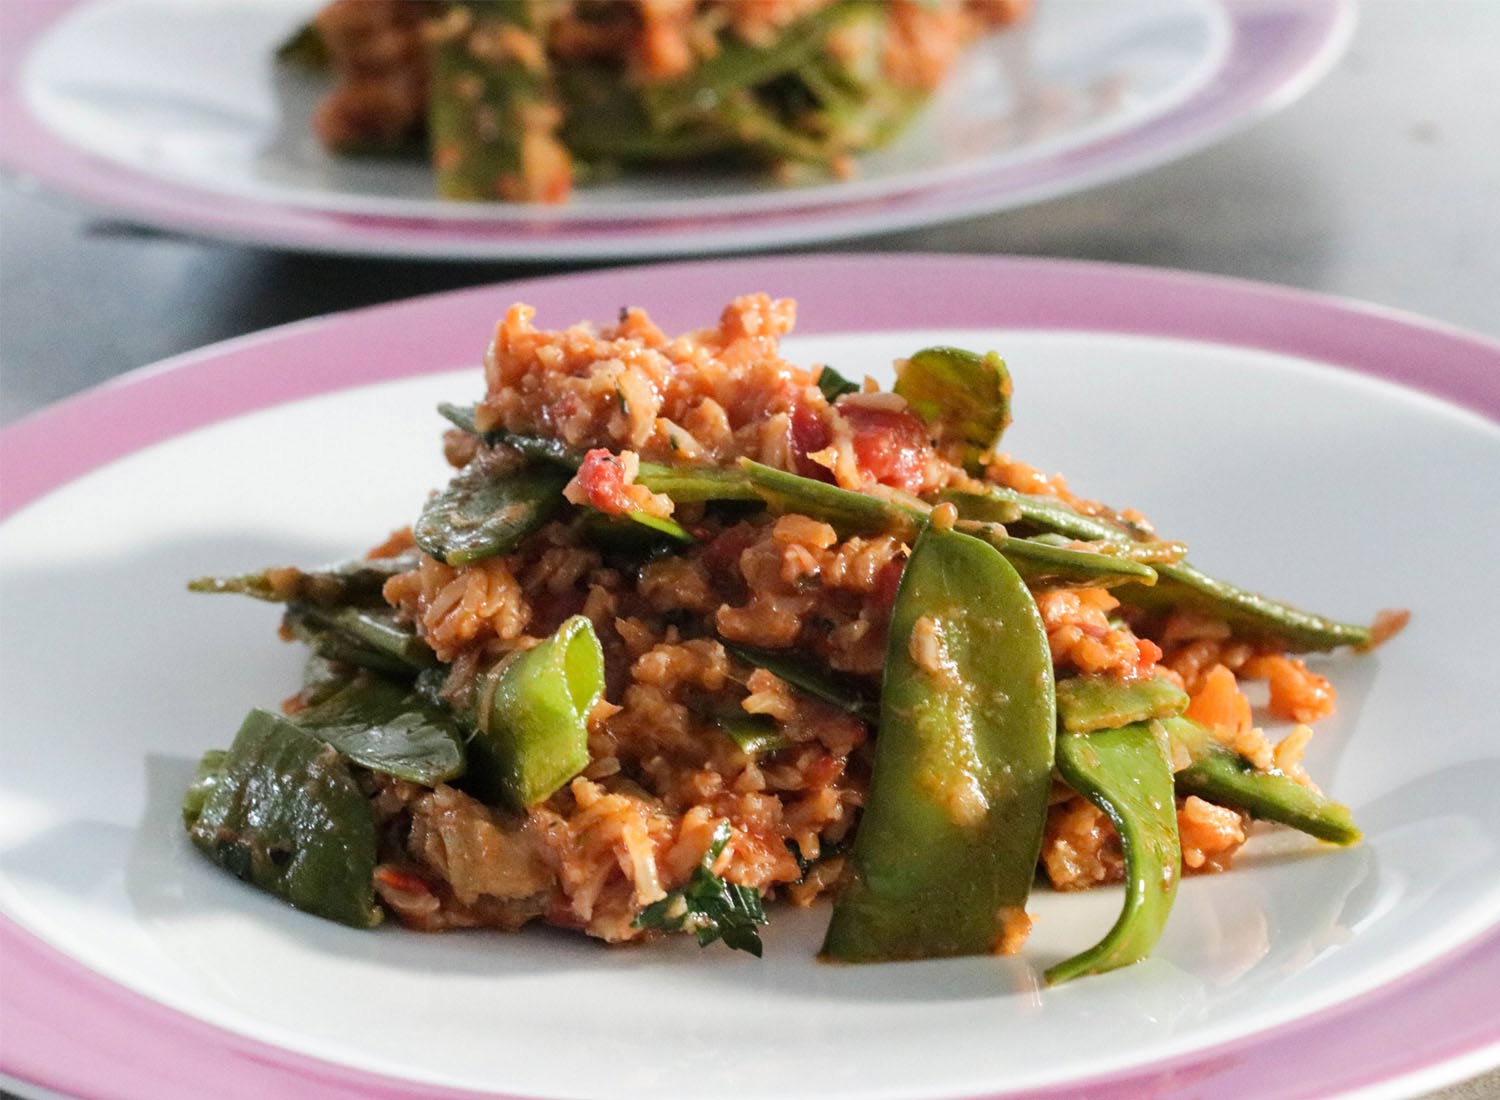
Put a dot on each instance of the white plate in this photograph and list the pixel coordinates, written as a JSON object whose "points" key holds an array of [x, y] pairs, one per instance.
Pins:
{"points": [[187, 92], [1323, 486], [173, 111]]}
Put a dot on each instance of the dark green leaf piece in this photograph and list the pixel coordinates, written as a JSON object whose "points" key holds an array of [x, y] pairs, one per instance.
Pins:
{"points": [[947, 848], [710, 907], [1127, 773], [487, 509], [844, 692], [284, 813], [371, 638], [304, 47], [755, 734], [1089, 703], [1225, 778], [834, 385], [350, 582], [389, 728], [531, 714], [963, 398]]}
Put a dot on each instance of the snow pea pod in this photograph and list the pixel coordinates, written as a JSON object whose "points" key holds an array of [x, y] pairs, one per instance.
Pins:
{"points": [[488, 508], [946, 851], [389, 728], [844, 692], [531, 717], [1089, 703], [1179, 584], [962, 397], [1248, 614], [1127, 773], [1219, 775], [282, 811], [849, 512], [1044, 565], [349, 582], [1049, 515]]}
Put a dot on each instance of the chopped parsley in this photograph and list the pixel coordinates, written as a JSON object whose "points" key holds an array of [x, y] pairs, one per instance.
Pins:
{"points": [[709, 907]]}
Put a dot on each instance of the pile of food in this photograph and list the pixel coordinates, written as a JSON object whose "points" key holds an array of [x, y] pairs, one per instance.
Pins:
{"points": [[515, 99], [693, 628]]}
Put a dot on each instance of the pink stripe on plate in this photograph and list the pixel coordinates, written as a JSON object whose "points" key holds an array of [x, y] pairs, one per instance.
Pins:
{"points": [[68, 1029]]}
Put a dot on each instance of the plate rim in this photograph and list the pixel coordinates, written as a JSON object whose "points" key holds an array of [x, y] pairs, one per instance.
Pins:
{"points": [[52, 996], [1278, 50]]}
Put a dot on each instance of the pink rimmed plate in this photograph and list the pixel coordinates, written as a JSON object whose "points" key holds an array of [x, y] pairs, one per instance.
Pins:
{"points": [[1336, 454], [172, 114]]}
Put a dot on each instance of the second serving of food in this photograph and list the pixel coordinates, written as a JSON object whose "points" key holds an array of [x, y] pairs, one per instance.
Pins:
{"points": [[516, 100], [693, 629]]}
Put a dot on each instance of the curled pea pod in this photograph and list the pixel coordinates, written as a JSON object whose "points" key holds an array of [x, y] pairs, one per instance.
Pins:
{"points": [[1089, 703], [1219, 775], [351, 582], [946, 852], [844, 692], [281, 810], [1127, 773], [371, 638], [963, 398], [530, 714], [389, 728], [487, 509]]}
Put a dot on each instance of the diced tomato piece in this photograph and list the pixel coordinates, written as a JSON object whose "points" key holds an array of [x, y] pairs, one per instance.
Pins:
{"points": [[892, 447], [602, 479], [809, 435]]}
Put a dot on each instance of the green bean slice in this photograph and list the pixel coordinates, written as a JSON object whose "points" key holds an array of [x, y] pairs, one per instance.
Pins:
{"points": [[487, 509], [844, 692]]}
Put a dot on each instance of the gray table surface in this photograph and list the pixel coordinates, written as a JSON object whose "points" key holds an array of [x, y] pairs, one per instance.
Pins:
{"points": [[1382, 184]]}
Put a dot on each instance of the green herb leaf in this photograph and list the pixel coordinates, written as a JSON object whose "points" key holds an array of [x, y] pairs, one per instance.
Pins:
{"points": [[834, 385], [709, 907]]}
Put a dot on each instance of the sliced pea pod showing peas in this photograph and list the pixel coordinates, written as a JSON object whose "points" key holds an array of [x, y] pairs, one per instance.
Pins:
{"points": [[1127, 773], [946, 851], [531, 716]]}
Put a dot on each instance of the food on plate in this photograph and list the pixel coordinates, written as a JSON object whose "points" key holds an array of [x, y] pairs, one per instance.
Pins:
{"points": [[514, 100], [692, 629]]}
